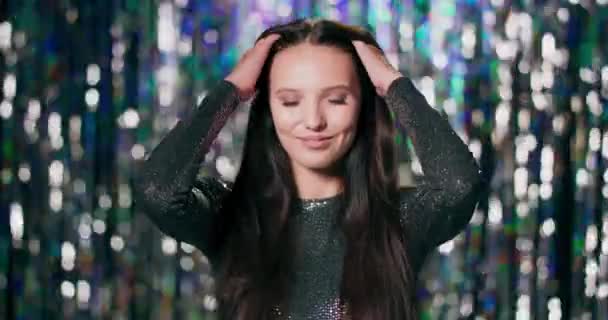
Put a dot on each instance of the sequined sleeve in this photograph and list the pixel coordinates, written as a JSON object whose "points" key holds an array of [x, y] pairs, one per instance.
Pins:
{"points": [[166, 187], [442, 202]]}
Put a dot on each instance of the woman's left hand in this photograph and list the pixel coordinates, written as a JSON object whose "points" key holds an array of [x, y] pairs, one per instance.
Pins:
{"points": [[379, 69]]}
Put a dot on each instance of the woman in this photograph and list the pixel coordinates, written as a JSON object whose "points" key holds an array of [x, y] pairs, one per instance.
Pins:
{"points": [[315, 225]]}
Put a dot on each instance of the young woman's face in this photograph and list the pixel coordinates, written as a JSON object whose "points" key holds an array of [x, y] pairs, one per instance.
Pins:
{"points": [[315, 101]]}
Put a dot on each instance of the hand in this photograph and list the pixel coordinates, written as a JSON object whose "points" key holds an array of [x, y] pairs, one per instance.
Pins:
{"points": [[247, 70], [379, 69]]}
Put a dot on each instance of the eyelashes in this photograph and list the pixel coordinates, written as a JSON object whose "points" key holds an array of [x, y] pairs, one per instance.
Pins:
{"points": [[336, 102]]}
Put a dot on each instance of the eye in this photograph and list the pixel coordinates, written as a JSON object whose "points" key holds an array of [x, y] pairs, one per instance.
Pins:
{"points": [[338, 101], [290, 103]]}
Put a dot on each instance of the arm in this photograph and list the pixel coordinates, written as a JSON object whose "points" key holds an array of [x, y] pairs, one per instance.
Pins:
{"points": [[165, 184], [442, 204]]}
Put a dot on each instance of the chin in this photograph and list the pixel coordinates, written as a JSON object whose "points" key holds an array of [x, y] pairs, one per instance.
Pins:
{"points": [[315, 164], [319, 163]]}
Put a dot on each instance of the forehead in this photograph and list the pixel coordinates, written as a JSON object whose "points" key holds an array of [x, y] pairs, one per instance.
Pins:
{"points": [[308, 67]]}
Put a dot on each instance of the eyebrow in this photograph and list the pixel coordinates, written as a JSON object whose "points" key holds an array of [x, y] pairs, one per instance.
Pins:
{"points": [[339, 86]]}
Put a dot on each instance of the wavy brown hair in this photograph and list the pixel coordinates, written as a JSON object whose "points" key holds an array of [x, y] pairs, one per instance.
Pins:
{"points": [[253, 237]]}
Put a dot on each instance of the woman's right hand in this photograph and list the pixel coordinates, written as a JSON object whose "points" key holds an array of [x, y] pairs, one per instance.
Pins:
{"points": [[246, 73]]}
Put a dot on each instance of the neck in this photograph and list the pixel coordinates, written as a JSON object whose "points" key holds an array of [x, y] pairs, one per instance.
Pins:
{"points": [[317, 184]]}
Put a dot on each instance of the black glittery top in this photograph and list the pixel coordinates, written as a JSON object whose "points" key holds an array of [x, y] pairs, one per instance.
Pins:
{"points": [[440, 206]]}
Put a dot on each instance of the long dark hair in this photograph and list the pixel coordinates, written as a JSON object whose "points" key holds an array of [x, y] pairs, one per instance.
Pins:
{"points": [[255, 240]]}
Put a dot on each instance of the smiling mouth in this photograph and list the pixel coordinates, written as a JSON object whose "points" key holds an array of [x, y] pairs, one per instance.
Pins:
{"points": [[316, 143]]}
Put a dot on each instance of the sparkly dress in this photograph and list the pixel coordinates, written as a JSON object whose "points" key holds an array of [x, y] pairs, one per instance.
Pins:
{"points": [[183, 206]]}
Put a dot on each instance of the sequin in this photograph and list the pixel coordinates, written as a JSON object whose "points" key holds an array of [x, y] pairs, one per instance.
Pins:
{"points": [[183, 206]]}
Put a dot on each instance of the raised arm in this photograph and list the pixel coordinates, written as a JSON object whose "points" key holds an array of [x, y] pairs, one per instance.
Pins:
{"points": [[442, 204], [166, 188]]}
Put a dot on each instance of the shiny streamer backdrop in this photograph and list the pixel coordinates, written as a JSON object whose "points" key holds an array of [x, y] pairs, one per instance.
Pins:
{"points": [[90, 87]]}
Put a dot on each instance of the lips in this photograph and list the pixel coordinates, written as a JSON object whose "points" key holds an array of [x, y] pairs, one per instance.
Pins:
{"points": [[315, 142], [315, 138]]}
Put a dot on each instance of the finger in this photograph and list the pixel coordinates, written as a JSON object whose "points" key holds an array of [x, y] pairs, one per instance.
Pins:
{"points": [[272, 37], [363, 51], [263, 46], [267, 41], [259, 52], [360, 45]]}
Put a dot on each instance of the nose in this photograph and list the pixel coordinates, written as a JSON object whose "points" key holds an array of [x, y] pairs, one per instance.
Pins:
{"points": [[314, 118]]}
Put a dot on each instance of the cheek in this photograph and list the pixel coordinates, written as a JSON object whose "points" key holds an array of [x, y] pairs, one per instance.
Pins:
{"points": [[345, 120], [350, 126], [283, 122], [284, 125]]}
